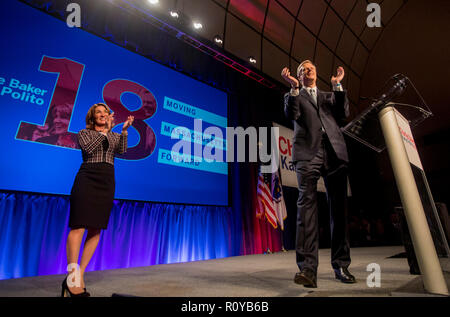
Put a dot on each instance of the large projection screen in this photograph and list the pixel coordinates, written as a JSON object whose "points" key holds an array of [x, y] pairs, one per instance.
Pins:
{"points": [[50, 75]]}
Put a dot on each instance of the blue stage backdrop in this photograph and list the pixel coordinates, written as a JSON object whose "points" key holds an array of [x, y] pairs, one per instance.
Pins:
{"points": [[51, 74]]}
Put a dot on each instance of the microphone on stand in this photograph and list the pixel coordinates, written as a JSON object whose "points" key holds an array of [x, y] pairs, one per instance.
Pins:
{"points": [[394, 91]]}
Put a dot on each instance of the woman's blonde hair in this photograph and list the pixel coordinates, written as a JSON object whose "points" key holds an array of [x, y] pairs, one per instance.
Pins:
{"points": [[90, 119]]}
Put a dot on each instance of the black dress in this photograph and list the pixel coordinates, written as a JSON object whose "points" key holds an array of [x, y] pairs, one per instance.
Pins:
{"points": [[92, 195]]}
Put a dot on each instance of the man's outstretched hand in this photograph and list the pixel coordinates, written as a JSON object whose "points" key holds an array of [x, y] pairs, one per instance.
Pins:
{"points": [[340, 75], [286, 74]]}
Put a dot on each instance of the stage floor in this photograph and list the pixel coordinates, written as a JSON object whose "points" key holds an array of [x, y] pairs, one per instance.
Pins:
{"points": [[264, 275]]}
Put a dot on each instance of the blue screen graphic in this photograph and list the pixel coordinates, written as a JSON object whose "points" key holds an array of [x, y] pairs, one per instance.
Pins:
{"points": [[50, 75]]}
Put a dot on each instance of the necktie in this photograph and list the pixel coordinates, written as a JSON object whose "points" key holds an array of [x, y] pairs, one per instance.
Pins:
{"points": [[312, 92]]}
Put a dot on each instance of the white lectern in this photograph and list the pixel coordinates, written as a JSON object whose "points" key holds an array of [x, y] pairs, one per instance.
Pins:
{"points": [[402, 153], [382, 126]]}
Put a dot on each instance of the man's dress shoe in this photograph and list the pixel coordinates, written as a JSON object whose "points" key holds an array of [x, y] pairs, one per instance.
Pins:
{"points": [[344, 275], [307, 278]]}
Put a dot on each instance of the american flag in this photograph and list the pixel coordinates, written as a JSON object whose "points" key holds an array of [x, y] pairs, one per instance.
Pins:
{"points": [[278, 199], [265, 204]]}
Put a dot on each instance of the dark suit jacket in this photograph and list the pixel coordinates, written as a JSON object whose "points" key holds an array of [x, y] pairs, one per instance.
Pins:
{"points": [[330, 112]]}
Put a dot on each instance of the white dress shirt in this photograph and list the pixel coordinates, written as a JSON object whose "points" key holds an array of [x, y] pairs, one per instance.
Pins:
{"points": [[296, 92]]}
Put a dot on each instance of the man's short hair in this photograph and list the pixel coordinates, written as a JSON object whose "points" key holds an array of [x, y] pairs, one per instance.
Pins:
{"points": [[301, 66]]}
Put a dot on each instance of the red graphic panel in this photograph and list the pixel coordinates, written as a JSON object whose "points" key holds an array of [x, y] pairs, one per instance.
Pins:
{"points": [[111, 95], [55, 129]]}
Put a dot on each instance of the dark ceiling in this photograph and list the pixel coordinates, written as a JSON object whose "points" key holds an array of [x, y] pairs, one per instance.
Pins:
{"points": [[279, 33]]}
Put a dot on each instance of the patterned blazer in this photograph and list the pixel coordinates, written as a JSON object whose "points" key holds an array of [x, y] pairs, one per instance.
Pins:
{"points": [[98, 148]]}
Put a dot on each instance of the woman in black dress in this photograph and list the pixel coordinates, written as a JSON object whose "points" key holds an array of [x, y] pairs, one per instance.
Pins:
{"points": [[92, 194]]}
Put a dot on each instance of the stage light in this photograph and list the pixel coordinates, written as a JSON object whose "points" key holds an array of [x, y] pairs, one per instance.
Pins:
{"points": [[174, 14], [252, 60], [218, 40], [197, 25], [153, 1]]}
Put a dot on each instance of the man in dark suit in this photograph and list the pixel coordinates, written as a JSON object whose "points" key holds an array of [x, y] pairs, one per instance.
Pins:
{"points": [[319, 149]]}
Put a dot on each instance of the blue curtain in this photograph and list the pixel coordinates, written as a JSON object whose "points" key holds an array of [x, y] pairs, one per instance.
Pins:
{"points": [[34, 232]]}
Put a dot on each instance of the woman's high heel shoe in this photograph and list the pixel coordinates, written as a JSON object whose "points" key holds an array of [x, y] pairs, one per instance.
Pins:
{"points": [[65, 292]]}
